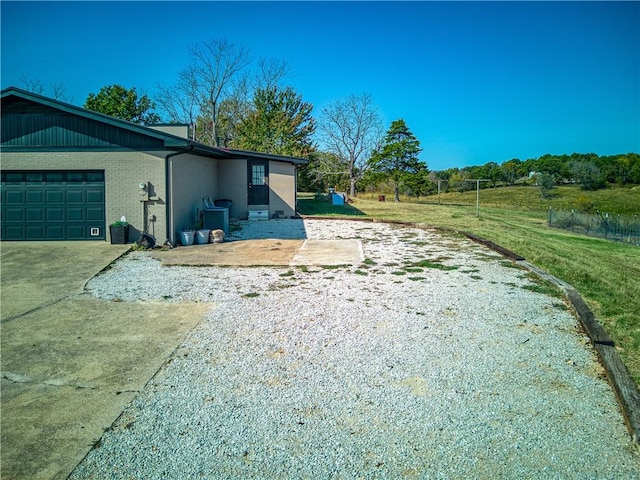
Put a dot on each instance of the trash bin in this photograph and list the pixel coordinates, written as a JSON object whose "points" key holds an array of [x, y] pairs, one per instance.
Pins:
{"points": [[223, 203], [381, 198]]}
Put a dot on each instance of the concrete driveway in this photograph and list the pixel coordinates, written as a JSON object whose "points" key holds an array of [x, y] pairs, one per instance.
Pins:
{"points": [[70, 362]]}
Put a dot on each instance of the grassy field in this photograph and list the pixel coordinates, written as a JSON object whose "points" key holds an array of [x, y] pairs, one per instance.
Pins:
{"points": [[622, 200], [607, 274]]}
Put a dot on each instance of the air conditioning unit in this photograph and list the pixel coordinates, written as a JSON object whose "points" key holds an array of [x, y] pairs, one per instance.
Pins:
{"points": [[216, 219]]}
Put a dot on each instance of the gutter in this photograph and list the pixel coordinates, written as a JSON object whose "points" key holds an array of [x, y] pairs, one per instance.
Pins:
{"points": [[167, 187]]}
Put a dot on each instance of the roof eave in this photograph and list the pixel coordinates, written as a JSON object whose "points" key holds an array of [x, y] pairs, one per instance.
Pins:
{"points": [[280, 158]]}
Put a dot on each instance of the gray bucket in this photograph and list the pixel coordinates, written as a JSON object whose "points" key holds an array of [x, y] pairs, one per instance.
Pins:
{"points": [[186, 238], [202, 236]]}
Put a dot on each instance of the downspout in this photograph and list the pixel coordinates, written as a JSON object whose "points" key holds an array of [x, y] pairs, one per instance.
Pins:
{"points": [[295, 190], [168, 202]]}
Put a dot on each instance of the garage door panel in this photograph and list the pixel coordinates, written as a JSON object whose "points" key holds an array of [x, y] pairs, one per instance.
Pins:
{"points": [[95, 196], [55, 232], [35, 232], [55, 214], [13, 232], [75, 232], [74, 196], [14, 215], [55, 196], [15, 197], [95, 214], [75, 214], [35, 196], [35, 214]]}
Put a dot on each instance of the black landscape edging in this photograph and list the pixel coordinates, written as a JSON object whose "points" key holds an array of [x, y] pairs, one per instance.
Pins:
{"points": [[494, 246]]}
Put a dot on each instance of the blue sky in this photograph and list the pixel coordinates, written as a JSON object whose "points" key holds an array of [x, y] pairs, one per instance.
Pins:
{"points": [[475, 81]]}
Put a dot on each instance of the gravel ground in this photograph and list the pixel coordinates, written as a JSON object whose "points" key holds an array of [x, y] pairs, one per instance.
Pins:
{"points": [[435, 358]]}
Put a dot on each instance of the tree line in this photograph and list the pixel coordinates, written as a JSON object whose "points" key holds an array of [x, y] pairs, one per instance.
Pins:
{"points": [[588, 170], [231, 100]]}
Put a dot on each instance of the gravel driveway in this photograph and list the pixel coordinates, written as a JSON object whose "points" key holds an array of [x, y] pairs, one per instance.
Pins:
{"points": [[435, 358]]}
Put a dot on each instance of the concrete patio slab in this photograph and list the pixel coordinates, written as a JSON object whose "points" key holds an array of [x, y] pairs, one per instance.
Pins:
{"points": [[266, 252], [329, 252]]}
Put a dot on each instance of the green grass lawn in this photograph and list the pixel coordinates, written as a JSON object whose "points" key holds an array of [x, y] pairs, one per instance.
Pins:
{"points": [[605, 273], [622, 200]]}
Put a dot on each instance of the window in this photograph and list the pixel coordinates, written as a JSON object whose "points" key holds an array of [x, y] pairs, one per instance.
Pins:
{"points": [[55, 177], [257, 175], [34, 177], [75, 177], [12, 177], [95, 176]]}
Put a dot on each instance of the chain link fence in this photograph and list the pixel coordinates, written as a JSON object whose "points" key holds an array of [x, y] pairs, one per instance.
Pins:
{"points": [[623, 228]]}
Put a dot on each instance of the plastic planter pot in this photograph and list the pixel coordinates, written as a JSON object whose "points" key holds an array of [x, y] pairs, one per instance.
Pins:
{"points": [[119, 234]]}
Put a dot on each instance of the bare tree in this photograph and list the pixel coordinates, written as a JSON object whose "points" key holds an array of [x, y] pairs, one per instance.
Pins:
{"points": [[59, 92], [31, 85], [180, 102], [271, 71], [56, 90], [214, 92], [216, 65], [210, 79], [351, 129]]}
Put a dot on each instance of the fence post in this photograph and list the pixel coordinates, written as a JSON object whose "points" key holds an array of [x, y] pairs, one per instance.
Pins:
{"points": [[572, 219]]}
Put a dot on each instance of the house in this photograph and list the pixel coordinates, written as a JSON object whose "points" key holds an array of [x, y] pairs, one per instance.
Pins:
{"points": [[68, 173]]}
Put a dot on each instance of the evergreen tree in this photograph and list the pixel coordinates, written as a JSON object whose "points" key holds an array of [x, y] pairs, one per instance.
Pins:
{"points": [[397, 158], [280, 123]]}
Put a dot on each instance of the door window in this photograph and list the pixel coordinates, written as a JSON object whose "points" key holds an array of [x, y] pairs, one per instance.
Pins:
{"points": [[257, 175]]}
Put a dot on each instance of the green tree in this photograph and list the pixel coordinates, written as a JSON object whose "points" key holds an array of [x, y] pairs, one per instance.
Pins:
{"points": [[512, 170], [117, 101], [279, 123], [587, 174], [553, 165], [215, 89], [490, 171], [418, 183], [547, 183], [397, 158]]}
